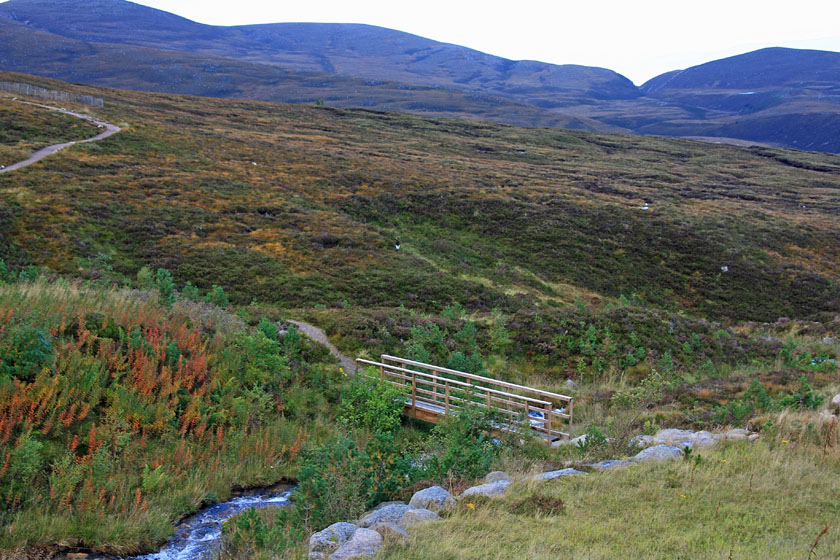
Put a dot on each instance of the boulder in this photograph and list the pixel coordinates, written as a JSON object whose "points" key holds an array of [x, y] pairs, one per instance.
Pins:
{"points": [[322, 543], [363, 543], [738, 434], [611, 464], [390, 530], [390, 513], [835, 401], [415, 516], [659, 452], [495, 476], [704, 439], [674, 437], [490, 489], [386, 504], [434, 499], [642, 441], [551, 475]]}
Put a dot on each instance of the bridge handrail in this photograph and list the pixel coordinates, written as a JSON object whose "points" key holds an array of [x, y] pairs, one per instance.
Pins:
{"points": [[455, 381], [556, 396]]}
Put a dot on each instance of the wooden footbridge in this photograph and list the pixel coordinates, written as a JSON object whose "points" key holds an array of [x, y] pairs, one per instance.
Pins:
{"points": [[433, 392]]}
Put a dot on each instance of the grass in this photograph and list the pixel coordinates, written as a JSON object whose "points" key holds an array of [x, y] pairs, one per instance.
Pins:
{"points": [[115, 406], [741, 501], [26, 128]]}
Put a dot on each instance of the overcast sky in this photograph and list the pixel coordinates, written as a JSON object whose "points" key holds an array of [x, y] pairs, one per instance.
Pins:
{"points": [[637, 38]]}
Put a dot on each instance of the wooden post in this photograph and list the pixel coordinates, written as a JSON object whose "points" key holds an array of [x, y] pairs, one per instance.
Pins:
{"points": [[382, 373], [446, 385], [571, 417], [548, 414], [414, 392], [528, 417]]}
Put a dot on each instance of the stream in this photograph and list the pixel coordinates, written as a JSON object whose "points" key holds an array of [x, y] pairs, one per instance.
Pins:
{"points": [[199, 535]]}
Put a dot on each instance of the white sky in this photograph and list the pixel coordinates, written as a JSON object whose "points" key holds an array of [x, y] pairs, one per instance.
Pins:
{"points": [[637, 38]]}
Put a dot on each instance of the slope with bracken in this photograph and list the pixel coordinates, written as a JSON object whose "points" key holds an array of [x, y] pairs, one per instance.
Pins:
{"points": [[260, 196]]}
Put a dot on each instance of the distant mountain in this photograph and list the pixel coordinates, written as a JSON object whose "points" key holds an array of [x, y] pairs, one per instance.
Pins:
{"points": [[344, 49], [782, 97]]}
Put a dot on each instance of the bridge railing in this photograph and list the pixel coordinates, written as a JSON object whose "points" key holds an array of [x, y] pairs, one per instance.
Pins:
{"points": [[442, 391]]}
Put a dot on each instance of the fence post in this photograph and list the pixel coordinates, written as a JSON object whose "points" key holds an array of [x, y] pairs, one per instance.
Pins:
{"points": [[446, 385], [414, 392], [548, 414], [571, 417]]}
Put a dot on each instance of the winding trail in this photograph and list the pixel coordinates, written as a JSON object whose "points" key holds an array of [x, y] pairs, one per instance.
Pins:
{"points": [[110, 129], [316, 334]]}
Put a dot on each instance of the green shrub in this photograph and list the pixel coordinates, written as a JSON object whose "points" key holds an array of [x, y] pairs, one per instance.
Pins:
{"points": [[24, 351], [217, 296], [464, 448], [6, 277], [804, 398], [190, 292], [372, 405]]}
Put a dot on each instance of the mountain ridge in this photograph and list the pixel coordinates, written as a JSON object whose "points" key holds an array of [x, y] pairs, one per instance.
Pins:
{"points": [[775, 96]]}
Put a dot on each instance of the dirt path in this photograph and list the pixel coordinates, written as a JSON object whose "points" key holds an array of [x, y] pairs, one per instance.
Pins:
{"points": [[316, 334], [109, 129]]}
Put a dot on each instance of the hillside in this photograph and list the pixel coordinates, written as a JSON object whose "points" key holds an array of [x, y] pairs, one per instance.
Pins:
{"points": [[343, 49], [311, 198], [148, 367], [778, 97]]}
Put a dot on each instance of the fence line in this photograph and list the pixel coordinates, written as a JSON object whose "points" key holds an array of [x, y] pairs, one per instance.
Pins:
{"points": [[51, 94]]}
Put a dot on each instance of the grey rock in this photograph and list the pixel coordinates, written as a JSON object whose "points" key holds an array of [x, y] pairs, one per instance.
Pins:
{"points": [[386, 504], [322, 543], [704, 439], [611, 464], [495, 476], [835, 401], [434, 499], [571, 385], [363, 543], [642, 441], [390, 530], [551, 475], [416, 516], [678, 438], [738, 434], [659, 452], [392, 513], [489, 489]]}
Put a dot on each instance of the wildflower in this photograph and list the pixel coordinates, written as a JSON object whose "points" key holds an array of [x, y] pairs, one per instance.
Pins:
{"points": [[784, 441], [471, 506], [682, 496], [723, 460]]}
